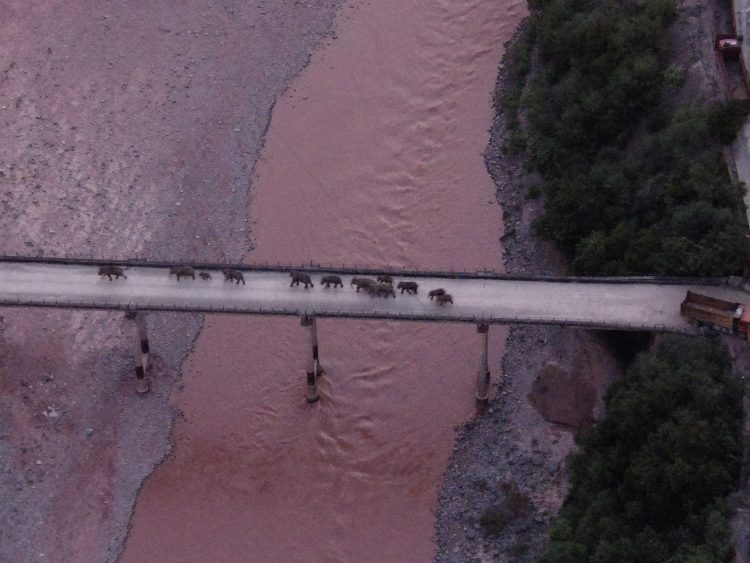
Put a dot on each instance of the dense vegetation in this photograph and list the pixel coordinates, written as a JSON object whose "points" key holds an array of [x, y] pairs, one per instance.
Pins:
{"points": [[650, 480], [635, 183], [632, 186]]}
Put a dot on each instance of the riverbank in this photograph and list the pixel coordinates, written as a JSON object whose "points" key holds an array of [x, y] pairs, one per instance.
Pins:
{"points": [[507, 477], [120, 126], [484, 485]]}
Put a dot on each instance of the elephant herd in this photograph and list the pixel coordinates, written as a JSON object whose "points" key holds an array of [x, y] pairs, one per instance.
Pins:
{"points": [[382, 286], [177, 271]]}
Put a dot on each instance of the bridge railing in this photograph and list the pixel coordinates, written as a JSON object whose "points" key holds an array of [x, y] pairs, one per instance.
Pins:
{"points": [[325, 313], [353, 269]]}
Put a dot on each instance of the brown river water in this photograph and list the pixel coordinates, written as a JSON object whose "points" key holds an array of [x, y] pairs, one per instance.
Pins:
{"points": [[373, 157]]}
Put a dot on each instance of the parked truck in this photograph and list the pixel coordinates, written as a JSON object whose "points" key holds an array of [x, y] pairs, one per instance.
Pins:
{"points": [[717, 314]]}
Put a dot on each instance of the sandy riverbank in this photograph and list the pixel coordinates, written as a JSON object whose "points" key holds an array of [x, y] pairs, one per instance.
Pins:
{"points": [[120, 125]]}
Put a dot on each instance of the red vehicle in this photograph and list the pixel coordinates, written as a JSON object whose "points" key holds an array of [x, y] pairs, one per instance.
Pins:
{"points": [[729, 47]]}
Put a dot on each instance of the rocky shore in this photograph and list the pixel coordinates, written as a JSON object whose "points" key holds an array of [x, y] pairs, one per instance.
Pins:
{"points": [[507, 477]]}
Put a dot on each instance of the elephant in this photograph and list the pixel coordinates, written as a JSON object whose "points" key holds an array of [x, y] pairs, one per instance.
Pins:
{"points": [[110, 271], [182, 272], [362, 283], [436, 293], [233, 275], [331, 279], [299, 277], [381, 290], [444, 298], [409, 286]]}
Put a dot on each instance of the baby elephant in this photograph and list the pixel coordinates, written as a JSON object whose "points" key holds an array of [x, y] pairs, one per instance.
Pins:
{"points": [[205, 276], [362, 283], [385, 279], [331, 279], [299, 277], [233, 275], [409, 287], [381, 290], [436, 293], [444, 298], [110, 271]]}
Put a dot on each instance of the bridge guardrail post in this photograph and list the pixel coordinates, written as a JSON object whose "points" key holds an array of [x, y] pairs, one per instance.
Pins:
{"points": [[483, 375]]}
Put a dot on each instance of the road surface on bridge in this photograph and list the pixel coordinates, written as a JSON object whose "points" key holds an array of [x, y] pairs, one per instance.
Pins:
{"points": [[595, 304]]}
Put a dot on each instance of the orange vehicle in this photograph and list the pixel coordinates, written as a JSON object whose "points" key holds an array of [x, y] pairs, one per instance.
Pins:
{"points": [[717, 314]]}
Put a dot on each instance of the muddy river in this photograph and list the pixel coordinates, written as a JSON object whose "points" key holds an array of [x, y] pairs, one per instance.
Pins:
{"points": [[373, 157]]}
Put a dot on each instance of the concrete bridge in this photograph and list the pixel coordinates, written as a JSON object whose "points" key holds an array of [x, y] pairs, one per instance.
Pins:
{"points": [[482, 298]]}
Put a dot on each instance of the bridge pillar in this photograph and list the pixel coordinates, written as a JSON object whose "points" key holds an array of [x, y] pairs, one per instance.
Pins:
{"points": [[313, 363], [314, 346], [140, 350], [483, 375]]}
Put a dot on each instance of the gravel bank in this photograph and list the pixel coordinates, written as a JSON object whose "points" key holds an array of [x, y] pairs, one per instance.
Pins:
{"points": [[508, 464], [122, 124]]}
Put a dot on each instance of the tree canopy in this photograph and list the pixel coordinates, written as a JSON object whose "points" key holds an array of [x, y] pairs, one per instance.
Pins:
{"points": [[631, 185], [650, 481]]}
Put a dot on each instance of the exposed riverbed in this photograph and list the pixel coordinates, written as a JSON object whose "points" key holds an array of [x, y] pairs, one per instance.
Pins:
{"points": [[126, 129], [373, 156]]}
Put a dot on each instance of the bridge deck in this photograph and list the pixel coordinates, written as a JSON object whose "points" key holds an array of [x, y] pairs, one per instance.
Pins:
{"points": [[652, 306]]}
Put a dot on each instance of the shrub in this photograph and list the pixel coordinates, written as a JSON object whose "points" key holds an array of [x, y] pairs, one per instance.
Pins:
{"points": [[513, 505], [630, 188], [651, 478], [674, 76]]}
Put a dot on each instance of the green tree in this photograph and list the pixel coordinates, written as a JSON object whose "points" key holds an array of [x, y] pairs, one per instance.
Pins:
{"points": [[650, 481], [630, 186]]}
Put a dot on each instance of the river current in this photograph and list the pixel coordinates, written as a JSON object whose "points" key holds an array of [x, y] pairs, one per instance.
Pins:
{"points": [[373, 157]]}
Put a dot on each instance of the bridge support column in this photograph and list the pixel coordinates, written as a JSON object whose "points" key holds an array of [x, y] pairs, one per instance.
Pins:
{"points": [[314, 346], [483, 375], [313, 363], [140, 350]]}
